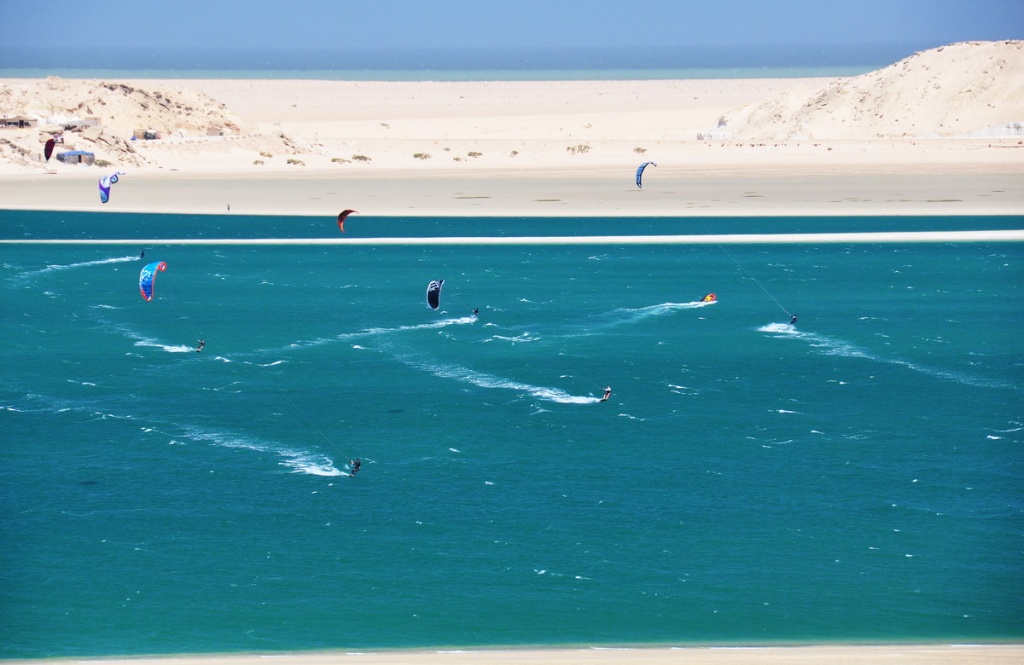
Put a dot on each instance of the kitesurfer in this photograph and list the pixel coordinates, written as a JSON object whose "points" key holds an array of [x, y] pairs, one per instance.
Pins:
{"points": [[792, 321], [142, 253], [356, 464], [607, 393], [476, 311], [202, 343]]}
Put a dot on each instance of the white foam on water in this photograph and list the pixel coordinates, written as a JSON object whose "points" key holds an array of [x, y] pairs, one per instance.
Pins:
{"points": [[837, 347], [73, 266], [491, 381]]}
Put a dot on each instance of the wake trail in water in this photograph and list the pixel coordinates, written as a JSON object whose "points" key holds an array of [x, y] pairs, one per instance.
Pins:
{"points": [[493, 382], [635, 315], [831, 346], [149, 342], [28, 275], [298, 459], [364, 334]]}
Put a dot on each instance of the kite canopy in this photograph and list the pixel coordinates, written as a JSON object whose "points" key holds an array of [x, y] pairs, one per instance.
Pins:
{"points": [[147, 278], [105, 183], [341, 218], [640, 173], [434, 293], [711, 297], [48, 150]]}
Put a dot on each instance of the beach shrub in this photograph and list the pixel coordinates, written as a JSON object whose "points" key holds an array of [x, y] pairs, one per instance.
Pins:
{"points": [[476, 154], [639, 151], [258, 162], [580, 149], [340, 160], [360, 158], [103, 162], [513, 153], [421, 155], [296, 162], [265, 154]]}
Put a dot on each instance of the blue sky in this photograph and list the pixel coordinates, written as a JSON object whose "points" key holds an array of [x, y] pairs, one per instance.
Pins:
{"points": [[351, 24]]}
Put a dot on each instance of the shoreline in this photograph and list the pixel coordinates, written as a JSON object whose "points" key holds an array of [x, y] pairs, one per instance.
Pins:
{"points": [[708, 239], [929, 653], [598, 193]]}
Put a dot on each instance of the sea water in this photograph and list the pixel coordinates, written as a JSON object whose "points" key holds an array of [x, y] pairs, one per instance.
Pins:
{"points": [[853, 477], [458, 64]]}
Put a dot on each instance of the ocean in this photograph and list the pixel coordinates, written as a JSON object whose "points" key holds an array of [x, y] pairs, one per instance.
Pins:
{"points": [[458, 64], [855, 477]]}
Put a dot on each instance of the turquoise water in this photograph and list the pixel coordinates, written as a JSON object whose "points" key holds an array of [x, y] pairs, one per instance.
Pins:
{"points": [[855, 477], [456, 63]]}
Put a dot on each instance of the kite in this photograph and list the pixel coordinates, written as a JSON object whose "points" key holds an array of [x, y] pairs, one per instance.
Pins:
{"points": [[48, 150], [341, 218], [148, 276], [640, 174], [105, 183], [434, 293]]}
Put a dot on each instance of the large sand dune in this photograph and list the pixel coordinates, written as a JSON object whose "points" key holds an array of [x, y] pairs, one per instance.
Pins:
{"points": [[960, 90]]}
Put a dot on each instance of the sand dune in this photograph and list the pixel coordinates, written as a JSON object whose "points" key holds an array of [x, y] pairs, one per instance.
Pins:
{"points": [[108, 112], [966, 89]]}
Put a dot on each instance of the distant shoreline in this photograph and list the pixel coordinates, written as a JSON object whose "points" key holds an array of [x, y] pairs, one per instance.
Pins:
{"points": [[642, 62], [444, 76]]}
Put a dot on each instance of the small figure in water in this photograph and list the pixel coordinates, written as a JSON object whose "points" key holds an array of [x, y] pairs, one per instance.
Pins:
{"points": [[202, 343], [476, 311], [792, 321], [142, 253], [356, 464], [607, 393]]}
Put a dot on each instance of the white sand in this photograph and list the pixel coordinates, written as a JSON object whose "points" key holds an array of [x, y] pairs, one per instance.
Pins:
{"points": [[933, 134]]}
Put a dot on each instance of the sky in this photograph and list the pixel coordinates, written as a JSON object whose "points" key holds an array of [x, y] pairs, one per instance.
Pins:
{"points": [[391, 24]]}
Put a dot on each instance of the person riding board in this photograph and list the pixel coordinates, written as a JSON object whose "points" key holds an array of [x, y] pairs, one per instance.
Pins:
{"points": [[607, 393], [356, 464], [202, 343]]}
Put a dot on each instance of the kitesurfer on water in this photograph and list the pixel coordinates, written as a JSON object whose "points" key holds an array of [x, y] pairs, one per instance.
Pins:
{"points": [[202, 343], [356, 464], [607, 393], [142, 253], [792, 321]]}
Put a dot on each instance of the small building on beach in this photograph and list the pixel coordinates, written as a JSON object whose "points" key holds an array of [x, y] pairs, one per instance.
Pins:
{"points": [[77, 157], [18, 122]]}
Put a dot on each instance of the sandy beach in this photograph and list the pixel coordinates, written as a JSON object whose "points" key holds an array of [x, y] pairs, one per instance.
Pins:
{"points": [[886, 143], [969, 654], [936, 134]]}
